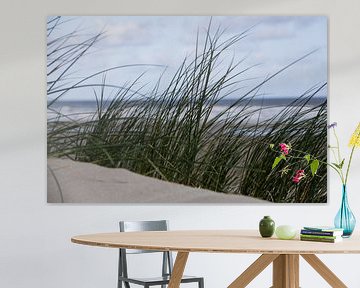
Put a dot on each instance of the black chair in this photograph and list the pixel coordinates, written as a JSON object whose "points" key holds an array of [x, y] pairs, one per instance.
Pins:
{"points": [[167, 265]]}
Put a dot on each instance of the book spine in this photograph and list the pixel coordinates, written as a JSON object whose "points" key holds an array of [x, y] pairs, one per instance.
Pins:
{"points": [[318, 239], [319, 236], [319, 233]]}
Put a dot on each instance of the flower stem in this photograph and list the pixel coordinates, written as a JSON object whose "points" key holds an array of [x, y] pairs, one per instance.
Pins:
{"points": [[338, 145], [348, 166], [339, 171]]}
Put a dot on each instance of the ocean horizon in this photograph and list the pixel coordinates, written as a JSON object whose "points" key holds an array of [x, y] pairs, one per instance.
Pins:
{"points": [[264, 101], [264, 109]]}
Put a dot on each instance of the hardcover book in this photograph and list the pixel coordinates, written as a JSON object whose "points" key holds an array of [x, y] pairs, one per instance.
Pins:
{"points": [[319, 237], [323, 228], [321, 233], [326, 240]]}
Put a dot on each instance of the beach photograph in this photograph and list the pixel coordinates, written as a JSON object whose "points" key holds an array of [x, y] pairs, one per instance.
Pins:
{"points": [[187, 109]]}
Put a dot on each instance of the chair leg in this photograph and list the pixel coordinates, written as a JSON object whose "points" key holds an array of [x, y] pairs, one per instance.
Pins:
{"points": [[120, 273], [201, 283]]}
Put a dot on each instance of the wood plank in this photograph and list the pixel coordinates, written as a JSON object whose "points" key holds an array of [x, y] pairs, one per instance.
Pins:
{"points": [[178, 270], [279, 269], [253, 270], [293, 270], [324, 271], [286, 271], [220, 241]]}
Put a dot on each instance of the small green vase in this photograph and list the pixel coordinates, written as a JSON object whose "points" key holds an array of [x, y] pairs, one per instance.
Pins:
{"points": [[267, 227]]}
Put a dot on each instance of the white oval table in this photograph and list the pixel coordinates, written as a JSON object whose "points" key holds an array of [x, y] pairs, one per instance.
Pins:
{"points": [[284, 254]]}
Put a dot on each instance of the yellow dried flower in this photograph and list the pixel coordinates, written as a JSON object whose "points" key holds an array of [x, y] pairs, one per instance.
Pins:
{"points": [[355, 138]]}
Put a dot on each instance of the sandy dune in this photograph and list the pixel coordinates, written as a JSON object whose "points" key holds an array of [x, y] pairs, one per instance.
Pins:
{"points": [[88, 183]]}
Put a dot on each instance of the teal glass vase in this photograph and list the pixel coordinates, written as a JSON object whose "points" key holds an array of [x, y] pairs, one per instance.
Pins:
{"points": [[345, 219]]}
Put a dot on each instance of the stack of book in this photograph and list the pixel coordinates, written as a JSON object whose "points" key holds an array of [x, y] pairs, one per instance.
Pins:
{"points": [[321, 234]]}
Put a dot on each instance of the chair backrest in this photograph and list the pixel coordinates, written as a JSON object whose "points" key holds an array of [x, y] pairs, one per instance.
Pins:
{"points": [[134, 226]]}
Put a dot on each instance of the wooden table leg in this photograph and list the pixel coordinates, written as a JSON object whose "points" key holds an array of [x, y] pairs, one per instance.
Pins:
{"points": [[293, 262], [253, 270], [178, 270], [286, 271], [324, 271]]}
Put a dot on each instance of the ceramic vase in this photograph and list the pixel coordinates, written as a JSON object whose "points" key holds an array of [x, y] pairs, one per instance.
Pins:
{"points": [[266, 226]]}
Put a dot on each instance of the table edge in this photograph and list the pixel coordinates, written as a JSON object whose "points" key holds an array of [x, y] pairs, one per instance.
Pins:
{"points": [[203, 250]]}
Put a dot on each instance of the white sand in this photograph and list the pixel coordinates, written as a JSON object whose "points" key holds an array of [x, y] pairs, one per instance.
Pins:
{"points": [[89, 183]]}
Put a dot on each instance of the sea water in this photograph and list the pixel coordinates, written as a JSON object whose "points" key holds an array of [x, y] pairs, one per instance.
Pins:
{"points": [[260, 109]]}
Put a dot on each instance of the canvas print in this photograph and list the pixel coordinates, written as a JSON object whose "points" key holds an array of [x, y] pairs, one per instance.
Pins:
{"points": [[186, 109]]}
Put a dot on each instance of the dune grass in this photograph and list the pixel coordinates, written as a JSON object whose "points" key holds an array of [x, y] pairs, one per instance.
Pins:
{"points": [[173, 134]]}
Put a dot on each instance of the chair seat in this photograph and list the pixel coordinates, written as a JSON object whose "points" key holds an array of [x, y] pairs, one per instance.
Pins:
{"points": [[158, 280]]}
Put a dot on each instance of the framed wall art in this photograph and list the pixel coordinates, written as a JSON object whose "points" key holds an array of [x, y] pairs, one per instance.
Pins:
{"points": [[186, 109]]}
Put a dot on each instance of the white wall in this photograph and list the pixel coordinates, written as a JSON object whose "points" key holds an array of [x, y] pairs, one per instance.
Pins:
{"points": [[35, 248]]}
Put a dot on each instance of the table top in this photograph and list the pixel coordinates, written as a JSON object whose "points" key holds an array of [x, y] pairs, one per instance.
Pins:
{"points": [[216, 241]]}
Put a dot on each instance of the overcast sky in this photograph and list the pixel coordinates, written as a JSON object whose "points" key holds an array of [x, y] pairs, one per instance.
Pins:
{"points": [[271, 43]]}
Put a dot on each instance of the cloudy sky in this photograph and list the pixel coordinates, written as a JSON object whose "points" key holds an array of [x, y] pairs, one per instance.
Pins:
{"points": [[271, 43]]}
